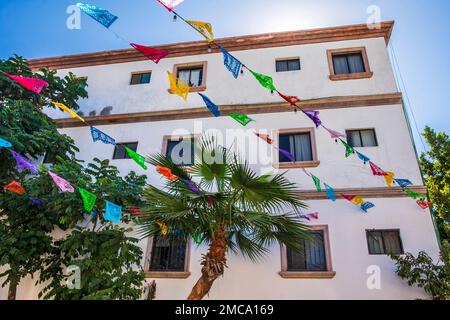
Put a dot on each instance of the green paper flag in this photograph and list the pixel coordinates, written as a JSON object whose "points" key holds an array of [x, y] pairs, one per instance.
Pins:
{"points": [[416, 195], [197, 237], [241, 118], [88, 199], [264, 80], [140, 160], [317, 183], [348, 149]]}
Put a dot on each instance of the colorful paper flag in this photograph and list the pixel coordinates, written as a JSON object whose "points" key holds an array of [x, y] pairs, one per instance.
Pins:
{"points": [[136, 212], [88, 199], [23, 163], [164, 229], [36, 202], [306, 172], [358, 200], [5, 143], [316, 183], [198, 238], [192, 187], [204, 28], [113, 212], [403, 183], [314, 116], [265, 81], [68, 110], [292, 100], [366, 206], [231, 63], [15, 187], [100, 15], [348, 197], [424, 204], [416, 195], [265, 137], [287, 154], [389, 178], [348, 148], [178, 87], [170, 4], [32, 84], [335, 134], [376, 170], [362, 157], [210, 105], [103, 137], [151, 53], [243, 119], [166, 172], [140, 160], [330, 192], [62, 184]]}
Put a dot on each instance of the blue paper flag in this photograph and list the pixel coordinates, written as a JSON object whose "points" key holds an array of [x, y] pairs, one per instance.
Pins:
{"points": [[366, 206], [103, 137], [330, 192], [113, 212], [362, 157], [5, 144], [403, 182], [100, 15], [231, 63], [38, 203], [210, 105]]}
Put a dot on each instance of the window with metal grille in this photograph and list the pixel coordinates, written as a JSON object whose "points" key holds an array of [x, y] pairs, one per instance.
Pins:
{"points": [[348, 63], [288, 65], [362, 138], [121, 153], [140, 78], [193, 77], [311, 256], [181, 151], [298, 144], [384, 242], [168, 254]]}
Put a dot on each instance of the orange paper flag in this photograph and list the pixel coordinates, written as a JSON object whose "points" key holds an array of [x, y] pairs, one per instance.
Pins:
{"points": [[15, 187]]}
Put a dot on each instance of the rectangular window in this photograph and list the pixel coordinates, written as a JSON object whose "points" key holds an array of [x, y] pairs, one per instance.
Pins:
{"points": [[191, 76], [348, 63], [311, 256], [298, 144], [168, 254], [288, 65], [140, 78], [384, 242], [121, 153], [362, 138], [181, 151]]}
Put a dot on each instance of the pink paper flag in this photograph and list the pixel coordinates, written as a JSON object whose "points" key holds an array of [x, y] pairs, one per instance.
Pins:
{"points": [[64, 185], [314, 215], [153, 54], [335, 134], [33, 84], [170, 4]]}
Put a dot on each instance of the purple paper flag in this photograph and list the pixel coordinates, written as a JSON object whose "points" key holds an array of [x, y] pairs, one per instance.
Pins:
{"points": [[38, 203], [193, 187], [287, 154], [23, 163], [313, 115]]}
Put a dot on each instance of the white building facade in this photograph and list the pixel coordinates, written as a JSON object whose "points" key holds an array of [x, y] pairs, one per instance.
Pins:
{"points": [[343, 72]]}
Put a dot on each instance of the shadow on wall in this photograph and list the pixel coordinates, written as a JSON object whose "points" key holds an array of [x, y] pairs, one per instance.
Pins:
{"points": [[105, 111]]}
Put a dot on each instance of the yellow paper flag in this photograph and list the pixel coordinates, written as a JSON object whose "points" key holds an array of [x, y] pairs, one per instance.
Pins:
{"points": [[358, 200], [389, 177], [178, 87], [69, 111], [163, 227], [204, 28]]}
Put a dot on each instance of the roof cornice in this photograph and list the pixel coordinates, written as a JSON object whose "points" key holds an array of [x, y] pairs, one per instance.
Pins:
{"points": [[268, 40]]}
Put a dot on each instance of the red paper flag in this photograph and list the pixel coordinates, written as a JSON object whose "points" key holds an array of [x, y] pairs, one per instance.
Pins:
{"points": [[292, 100], [424, 204], [265, 137], [376, 170], [153, 54], [33, 84], [348, 197], [135, 211], [15, 187]]}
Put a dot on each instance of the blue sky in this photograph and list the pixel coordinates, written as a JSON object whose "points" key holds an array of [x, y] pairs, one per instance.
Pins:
{"points": [[37, 28]]}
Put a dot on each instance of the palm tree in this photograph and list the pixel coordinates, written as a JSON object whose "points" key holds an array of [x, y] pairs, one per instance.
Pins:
{"points": [[230, 208]]}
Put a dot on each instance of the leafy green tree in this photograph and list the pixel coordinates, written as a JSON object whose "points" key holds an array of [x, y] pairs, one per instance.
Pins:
{"points": [[233, 209], [436, 169], [26, 242]]}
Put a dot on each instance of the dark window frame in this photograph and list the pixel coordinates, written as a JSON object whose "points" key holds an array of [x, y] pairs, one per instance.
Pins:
{"points": [[203, 65], [190, 69], [286, 61], [307, 265], [125, 154], [293, 151], [168, 139], [351, 76], [383, 231], [360, 137], [182, 264], [140, 74], [347, 55]]}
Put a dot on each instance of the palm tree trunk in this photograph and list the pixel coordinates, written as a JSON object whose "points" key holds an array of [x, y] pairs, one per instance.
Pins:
{"points": [[12, 290], [214, 263]]}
